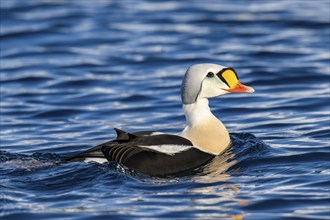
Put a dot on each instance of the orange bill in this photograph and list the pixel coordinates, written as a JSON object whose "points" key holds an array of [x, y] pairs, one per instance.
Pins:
{"points": [[239, 87]]}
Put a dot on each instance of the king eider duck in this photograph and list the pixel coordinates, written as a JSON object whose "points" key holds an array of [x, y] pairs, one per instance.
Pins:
{"points": [[203, 138]]}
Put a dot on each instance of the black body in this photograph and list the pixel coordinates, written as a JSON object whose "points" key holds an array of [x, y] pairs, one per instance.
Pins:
{"points": [[128, 149]]}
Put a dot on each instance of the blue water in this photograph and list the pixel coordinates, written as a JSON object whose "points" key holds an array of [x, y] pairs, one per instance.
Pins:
{"points": [[73, 70]]}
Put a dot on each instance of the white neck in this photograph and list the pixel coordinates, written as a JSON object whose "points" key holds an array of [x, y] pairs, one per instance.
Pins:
{"points": [[203, 129]]}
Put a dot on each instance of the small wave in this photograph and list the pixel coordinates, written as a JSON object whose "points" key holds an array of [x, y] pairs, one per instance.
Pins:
{"points": [[15, 161]]}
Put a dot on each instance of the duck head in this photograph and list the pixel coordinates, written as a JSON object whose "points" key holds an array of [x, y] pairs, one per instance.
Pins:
{"points": [[208, 81]]}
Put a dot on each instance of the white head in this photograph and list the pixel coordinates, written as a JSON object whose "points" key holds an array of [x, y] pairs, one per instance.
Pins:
{"points": [[209, 80]]}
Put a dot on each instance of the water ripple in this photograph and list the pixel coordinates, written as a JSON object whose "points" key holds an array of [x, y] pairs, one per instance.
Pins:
{"points": [[71, 71]]}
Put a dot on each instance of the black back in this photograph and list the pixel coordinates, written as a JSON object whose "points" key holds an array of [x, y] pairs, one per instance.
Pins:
{"points": [[130, 152], [128, 149]]}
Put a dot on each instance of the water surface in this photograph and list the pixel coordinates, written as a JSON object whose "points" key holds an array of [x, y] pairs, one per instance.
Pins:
{"points": [[73, 70]]}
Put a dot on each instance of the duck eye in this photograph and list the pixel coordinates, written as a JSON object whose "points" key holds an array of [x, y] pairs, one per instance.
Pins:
{"points": [[210, 74]]}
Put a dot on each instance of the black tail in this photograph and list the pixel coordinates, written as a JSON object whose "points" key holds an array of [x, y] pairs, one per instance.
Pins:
{"points": [[94, 152]]}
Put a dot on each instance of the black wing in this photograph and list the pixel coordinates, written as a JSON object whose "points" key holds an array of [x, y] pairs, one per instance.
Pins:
{"points": [[96, 151], [127, 149], [131, 151]]}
